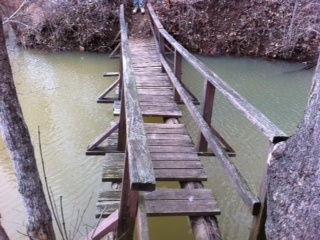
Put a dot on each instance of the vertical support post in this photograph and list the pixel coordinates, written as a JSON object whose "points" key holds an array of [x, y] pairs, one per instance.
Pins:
{"points": [[122, 132], [120, 76], [162, 48], [177, 72], [128, 206], [258, 224], [206, 112]]}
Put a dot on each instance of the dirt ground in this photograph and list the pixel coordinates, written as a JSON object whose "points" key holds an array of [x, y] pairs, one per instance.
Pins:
{"points": [[139, 25], [275, 29], [268, 29]]}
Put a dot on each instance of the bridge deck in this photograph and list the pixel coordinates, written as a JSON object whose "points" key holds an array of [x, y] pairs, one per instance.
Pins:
{"points": [[172, 151], [154, 88]]}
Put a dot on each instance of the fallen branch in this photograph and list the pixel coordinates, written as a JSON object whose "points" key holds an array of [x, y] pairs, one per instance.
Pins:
{"points": [[16, 12]]}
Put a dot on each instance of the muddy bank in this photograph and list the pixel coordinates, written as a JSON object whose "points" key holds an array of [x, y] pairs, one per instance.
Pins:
{"points": [[266, 29], [287, 29], [68, 25]]}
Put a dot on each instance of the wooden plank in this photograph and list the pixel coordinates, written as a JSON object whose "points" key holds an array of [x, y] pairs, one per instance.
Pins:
{"points": [[114, 164], [155, 108], [181, 202], [163, 105], [179, 194], [142, 222], [106, 226], [141, 173], [159, 99], [172, 149], [150, 127], [166, 142], [158, 92], [111, 74], [159, 113], [106, 208], [110, 175], [167, 136], [109, 195], [181, 208], [177, 165], [174, 156]]}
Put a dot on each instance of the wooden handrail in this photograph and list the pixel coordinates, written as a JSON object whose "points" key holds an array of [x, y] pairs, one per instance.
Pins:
{"points": [[233, 173], [141, 172], [264, 125], [258, 119]]}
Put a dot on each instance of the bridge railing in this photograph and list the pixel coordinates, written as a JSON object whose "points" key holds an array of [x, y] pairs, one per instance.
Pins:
{"points": [[213, 82], [138, 171]]}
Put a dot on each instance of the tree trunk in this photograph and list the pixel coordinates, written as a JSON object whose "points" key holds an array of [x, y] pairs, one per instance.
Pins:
{"points": [[16, 136], [3, 234], [294, 177]]}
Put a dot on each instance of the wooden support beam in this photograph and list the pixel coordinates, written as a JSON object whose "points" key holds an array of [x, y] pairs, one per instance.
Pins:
{"points": [[203, 227], [128, 206], [258, 224], [177, 69], [206, 112], [103, 137], [106, 226], [142, 221], [114, 52]]}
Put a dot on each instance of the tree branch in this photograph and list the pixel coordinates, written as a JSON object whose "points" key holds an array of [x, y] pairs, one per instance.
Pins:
{"points": [[16, 12]]}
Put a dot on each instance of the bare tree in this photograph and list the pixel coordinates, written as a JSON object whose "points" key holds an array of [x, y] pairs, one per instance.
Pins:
{"points": [[17, 138], [294, 177]]}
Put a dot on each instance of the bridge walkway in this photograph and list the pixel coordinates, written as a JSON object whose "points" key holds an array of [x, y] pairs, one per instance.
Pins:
{"points": [[173, 154], [140, 153]]}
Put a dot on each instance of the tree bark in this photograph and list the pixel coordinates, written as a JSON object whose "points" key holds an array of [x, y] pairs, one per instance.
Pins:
{"points": [[16, 136], [294, 177], [3, 234]]}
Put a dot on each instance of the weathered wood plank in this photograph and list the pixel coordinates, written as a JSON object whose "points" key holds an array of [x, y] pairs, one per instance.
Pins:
{"points": [[181, 208], [109, 195], [155, 108], [142, 222], [174, 156], [172, 149], [150, 127], [158, 136], [106, 226], [111, 74], [110, 175], [181, 202], [168, 142], [180, 194], [140, 165], [106, 208]]}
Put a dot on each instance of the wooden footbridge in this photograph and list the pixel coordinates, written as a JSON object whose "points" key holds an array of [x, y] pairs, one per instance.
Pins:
{"points": [[140, 154]]}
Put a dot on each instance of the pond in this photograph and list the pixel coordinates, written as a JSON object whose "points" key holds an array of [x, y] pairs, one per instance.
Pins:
{"points": [[58, 93]]}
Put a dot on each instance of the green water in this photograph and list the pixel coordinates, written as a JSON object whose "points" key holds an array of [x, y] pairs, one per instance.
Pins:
{"points": [[58, 92]]}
